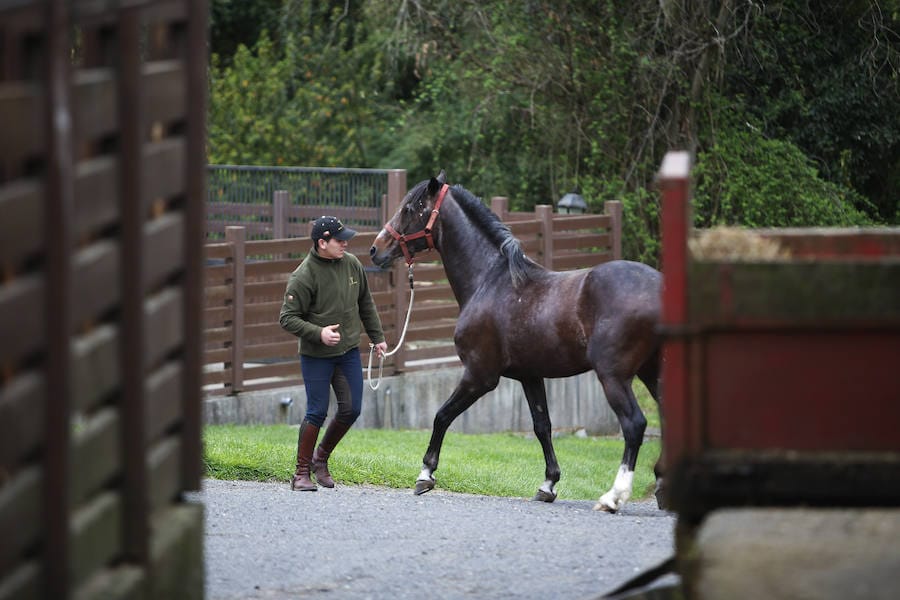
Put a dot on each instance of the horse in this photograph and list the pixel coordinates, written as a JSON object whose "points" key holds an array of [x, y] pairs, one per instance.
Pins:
{"points": [[519, 320]]}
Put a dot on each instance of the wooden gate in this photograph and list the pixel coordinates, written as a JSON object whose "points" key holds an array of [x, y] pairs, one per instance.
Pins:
{"points": [[102, 196]]}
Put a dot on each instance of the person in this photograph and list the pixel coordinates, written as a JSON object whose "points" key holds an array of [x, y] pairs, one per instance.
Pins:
{"points": [[327, 303]]}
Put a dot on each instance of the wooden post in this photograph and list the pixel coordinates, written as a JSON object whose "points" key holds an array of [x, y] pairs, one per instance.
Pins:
{"points": [[135, 522], [500, 207], [675, 188], [396, 192], [280, 201], [614, 209], [195, 170], [237, 236], [58, 220], [544, 214]]}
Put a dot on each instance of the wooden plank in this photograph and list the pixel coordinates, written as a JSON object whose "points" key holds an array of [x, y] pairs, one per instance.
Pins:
{"points": [[271, 350], [531, 227], [219, 293], [213, 316], [568, 222], [565, 262], [218, 334], [164, 239], [164, 472], [96, 195], [431, 331], [582, 241], [165, 94], [268, 290], [756, 386], [18, 301], [95, 98], [429, 312], [96, 450], [96, 269], [218, 250], [24, 581], [20, 515], [164, 326], [21, 228], [96, 534], [23, 125], [217, 274], [163, 175], [163, 399], [95, 367], [264, 330], [808, 292], [22, 406]]}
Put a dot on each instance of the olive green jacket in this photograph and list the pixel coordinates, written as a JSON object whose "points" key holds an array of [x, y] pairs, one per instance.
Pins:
{"points": [[323, 292]]}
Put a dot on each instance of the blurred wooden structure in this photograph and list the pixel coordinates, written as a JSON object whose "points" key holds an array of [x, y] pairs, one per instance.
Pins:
{"points": [[102, 205]]}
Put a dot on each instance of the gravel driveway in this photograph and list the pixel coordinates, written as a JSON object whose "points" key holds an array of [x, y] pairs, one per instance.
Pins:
{"points": [[356, 542]]}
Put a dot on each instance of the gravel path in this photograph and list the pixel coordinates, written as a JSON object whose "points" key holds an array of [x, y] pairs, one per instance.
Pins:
{"points": [[358, 542]]}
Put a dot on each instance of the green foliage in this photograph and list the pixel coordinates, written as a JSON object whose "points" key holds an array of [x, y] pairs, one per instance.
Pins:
{"points": [[746, 179], [501, 464], [528, 100]]}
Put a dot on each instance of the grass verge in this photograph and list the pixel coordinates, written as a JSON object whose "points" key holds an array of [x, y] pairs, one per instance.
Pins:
{"points": [[500, 464]]}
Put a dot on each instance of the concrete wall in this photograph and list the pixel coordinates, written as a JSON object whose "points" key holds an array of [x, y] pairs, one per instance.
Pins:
{"points": [[410, 401]]}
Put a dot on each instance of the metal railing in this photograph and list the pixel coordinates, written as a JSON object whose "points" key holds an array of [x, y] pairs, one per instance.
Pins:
{"points": [[277, 202]]}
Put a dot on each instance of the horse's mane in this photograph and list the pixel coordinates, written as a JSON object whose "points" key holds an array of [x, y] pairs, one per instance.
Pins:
{"points": [[521, 268]]}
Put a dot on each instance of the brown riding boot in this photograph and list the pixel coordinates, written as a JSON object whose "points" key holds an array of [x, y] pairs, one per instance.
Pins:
{"points": [[333, 435], [306, 441]]}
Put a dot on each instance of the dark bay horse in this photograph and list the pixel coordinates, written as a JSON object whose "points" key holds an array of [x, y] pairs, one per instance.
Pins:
{"points": [[522, 321]]}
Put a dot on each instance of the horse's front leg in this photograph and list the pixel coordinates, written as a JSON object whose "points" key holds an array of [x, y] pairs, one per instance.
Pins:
{"points": [[633, 423], [536, 395], [466, 393]]}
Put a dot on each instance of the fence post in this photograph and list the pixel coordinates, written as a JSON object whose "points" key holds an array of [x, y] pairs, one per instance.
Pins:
{"points": [[544, 214], [237, 236], [280, 201], [614, 209], [396, 192], [500, 207]]}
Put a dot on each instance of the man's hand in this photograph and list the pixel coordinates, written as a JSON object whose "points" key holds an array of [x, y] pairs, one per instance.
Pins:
{"points": [[330, 335], [381, 348]]}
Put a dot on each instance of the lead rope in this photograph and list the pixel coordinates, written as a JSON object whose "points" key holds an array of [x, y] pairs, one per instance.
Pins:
{"points": [[412, 294]]}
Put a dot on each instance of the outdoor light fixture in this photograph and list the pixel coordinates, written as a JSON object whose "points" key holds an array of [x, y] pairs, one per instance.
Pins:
{"points": [[572, 203]]}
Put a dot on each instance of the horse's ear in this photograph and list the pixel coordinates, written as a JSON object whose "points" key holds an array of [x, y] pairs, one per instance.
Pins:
{"points": [[434, 184]]}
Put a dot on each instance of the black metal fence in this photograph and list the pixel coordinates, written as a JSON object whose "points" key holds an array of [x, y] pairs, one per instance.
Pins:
{"points": [[246, 196]]}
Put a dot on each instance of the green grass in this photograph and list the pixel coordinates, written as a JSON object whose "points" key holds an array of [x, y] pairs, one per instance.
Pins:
{"points": [[501, 464]]}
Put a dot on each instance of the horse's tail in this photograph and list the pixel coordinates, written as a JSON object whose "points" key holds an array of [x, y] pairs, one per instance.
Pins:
{"points": [[521, 268]]}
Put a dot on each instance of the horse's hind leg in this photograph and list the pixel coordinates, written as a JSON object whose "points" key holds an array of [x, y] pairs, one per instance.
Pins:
{"points": [[633, 423], [537, 403], [467, 391], [649, 375]]}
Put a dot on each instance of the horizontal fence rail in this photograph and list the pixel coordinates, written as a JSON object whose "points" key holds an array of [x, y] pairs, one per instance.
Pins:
{"points": [[246, 349]]}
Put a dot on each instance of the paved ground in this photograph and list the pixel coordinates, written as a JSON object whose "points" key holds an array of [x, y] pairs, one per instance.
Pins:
{"points": [[264, 541]]}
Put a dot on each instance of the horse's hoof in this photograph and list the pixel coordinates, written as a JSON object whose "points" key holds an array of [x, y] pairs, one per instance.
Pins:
{"points": [[424, 485], [605, 508], [544, 496]]}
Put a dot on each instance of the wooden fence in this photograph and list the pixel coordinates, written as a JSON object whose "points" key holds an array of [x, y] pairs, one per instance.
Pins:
{"points": [[102, 172], [246, 349]]}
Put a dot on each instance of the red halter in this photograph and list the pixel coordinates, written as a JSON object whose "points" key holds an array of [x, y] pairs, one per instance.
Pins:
{"points": [[402, 239]]}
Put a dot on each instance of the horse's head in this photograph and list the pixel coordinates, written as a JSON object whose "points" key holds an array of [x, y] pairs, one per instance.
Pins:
{"points": [[413, 227]]}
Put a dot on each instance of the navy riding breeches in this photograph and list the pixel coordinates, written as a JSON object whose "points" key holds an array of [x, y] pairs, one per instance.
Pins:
{"points": [[344, 374]]}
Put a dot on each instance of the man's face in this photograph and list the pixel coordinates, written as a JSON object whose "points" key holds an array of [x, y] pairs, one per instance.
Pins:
{"points": [[332, 248]]}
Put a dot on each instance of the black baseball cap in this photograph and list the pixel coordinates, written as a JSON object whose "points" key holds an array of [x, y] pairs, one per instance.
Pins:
{"points": [[325, 228]]}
